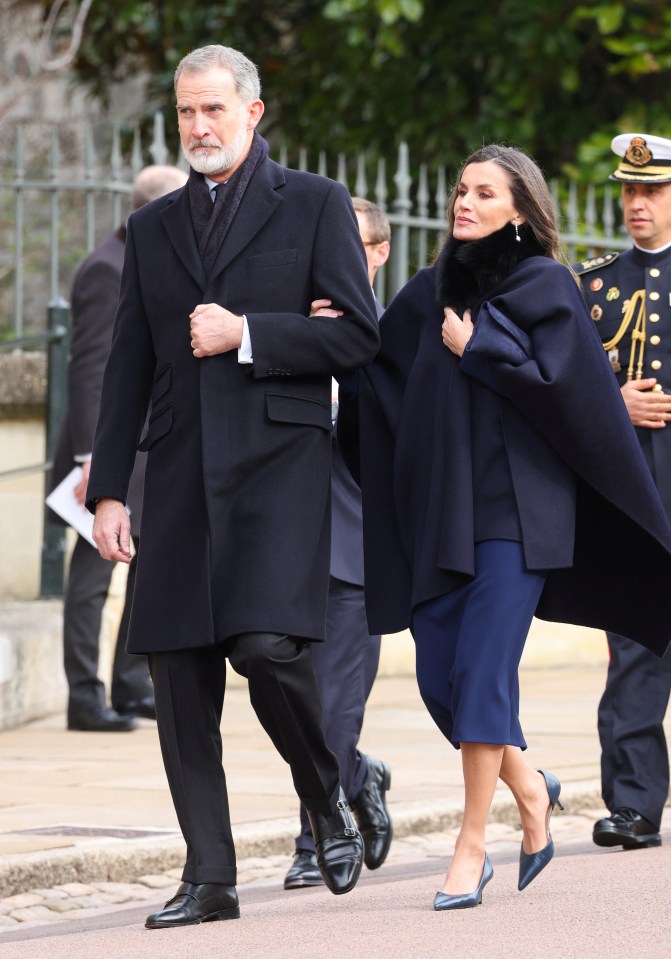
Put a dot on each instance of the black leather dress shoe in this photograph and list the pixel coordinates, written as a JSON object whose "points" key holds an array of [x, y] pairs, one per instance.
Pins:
{"points": [[626, 828], [101, 719], [194, 903], [138, 707], [339, 847], [304, 871], [371, 813]]}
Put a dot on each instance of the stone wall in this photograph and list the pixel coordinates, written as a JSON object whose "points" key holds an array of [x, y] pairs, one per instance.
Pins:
{"points": [[23, 384], [32, 682], [22, 444]]}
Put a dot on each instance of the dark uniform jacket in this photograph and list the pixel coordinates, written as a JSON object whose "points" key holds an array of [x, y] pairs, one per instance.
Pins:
{"points": [[235, 531], [588, 507], [609, 283]]}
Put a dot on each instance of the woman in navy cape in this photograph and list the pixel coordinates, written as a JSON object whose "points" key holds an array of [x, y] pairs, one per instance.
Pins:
{"points": [[501, 479]]}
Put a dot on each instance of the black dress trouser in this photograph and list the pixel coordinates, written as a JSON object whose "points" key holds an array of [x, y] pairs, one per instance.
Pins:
{"points": [[189, 689], [89, 577], [634, 754]]}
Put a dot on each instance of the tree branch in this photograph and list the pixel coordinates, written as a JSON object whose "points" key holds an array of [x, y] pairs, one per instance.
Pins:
{"points": [[33, 59], [51, 64]]}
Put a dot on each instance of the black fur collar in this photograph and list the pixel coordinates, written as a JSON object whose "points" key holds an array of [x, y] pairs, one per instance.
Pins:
{"points": [[467, 271]]}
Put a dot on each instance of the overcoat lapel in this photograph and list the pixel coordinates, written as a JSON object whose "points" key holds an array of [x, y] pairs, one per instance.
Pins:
{"points": [[250, 218], [265, 186], [176, 220]]}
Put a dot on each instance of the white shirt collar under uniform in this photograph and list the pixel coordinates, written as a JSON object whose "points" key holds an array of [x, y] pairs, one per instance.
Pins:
{"points": [[660, 249]]}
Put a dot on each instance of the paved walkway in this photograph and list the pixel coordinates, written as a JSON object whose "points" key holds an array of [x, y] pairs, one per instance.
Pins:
{"points": [[86, 821]]}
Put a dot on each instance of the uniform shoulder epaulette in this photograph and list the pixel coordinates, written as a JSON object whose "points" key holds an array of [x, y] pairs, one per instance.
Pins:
{"points": [[595, 263]]}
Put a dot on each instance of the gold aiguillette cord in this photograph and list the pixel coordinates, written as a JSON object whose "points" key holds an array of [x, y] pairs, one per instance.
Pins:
{"points": [[638, 336]]}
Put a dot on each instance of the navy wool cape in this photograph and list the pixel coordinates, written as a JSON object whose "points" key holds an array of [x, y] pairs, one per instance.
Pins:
{"points": [[589, 511]]}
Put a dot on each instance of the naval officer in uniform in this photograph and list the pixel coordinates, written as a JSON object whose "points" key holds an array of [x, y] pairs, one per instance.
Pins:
{"points": [[629, 297]]}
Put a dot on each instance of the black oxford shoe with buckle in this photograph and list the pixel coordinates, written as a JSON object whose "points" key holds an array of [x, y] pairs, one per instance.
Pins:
{"points": [[339, 847], [626, 828], [194, 903], [371, 813]]}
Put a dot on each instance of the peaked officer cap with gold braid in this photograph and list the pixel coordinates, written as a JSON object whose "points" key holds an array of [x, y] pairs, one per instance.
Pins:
{"points": [[645, 159]]}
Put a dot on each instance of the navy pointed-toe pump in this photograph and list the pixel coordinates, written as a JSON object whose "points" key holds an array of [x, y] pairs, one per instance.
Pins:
{"points": [[444, 901], [531, 863]]}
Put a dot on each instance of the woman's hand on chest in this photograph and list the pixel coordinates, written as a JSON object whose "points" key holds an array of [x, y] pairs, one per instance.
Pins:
{"points": [[456, 331]]}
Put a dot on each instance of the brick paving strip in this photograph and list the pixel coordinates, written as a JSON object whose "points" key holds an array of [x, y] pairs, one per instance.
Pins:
{"points": [[76, 900]]}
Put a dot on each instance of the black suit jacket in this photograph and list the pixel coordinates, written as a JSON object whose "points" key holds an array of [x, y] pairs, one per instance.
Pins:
{"points": [[235, 532], [94, 299], [346, 520]]}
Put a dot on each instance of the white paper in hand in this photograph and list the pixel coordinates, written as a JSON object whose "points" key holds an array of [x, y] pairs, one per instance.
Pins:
{"points": [[62, 501]]}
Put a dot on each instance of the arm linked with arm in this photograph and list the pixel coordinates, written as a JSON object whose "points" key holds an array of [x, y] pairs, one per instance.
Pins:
{"points": [[319, 344]]}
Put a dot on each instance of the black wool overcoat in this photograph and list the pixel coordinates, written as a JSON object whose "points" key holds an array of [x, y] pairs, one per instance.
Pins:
{"points": [[589, 510], [235, 531]]}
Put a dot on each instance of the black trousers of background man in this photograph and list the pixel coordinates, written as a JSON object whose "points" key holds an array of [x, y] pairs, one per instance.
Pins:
{"points": [[345, 665], [634, 754], [86, 591]]}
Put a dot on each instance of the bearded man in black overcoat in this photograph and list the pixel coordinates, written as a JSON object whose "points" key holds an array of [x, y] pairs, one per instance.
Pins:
{"points": [[213, 333]]}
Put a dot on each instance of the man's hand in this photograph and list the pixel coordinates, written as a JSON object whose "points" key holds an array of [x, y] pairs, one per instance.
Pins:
{"points": [[111, 530], [456, 332], [321, 308], [646, 407], [80, 488], [214, 330]]}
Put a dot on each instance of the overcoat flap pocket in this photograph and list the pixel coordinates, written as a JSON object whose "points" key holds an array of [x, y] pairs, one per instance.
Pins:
{"points": [[159, 425], [303, 410], [276, 258]]}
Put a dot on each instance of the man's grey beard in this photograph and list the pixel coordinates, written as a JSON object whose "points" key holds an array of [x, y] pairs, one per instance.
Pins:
{"points": [[212, 164]]}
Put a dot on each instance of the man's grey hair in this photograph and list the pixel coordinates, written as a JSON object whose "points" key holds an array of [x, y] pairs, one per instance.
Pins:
{"points": [[155, 181], [245, 73]]}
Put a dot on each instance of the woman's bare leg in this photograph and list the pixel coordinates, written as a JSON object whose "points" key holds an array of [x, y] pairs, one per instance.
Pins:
{"points": [[482, 766]]}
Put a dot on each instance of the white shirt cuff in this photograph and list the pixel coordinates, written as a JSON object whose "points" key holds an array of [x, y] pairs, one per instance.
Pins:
{"points": [[245, 348]]}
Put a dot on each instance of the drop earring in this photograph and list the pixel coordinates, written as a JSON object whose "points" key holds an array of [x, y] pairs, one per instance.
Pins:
{"points": [[517, 233]]}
